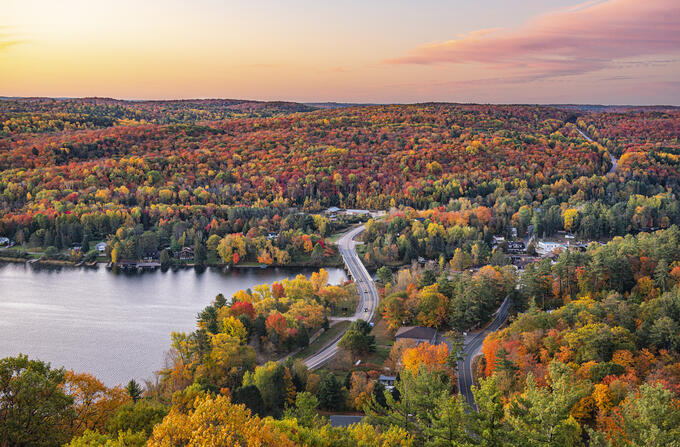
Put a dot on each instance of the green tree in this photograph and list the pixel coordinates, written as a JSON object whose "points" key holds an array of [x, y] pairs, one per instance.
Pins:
{"points": [[305, 411], [357, 339], [540, 416], [413, 409], [269, 379], [33, 409], [385, 275], [487, 423], [120, 439], [250, 397], [137, 417], [661, 275], [651, 418], [330, 393], [448, 423], [134, 390]]}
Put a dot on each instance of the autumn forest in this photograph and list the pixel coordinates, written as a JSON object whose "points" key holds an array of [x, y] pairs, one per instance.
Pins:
{"points": [[570, 214]]}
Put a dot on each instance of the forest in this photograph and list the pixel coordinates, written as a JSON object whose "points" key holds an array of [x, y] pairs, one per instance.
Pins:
{"points": [[171, 174], [590, 355]]}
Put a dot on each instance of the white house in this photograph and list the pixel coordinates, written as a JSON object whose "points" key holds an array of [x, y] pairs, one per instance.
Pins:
{"points": [[549, 247], [4, 241], [100, 247], [387, 381]]}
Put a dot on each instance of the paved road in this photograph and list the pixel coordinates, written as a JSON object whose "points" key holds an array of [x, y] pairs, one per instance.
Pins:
{"points": [[368, 294], [472, 347], [612, 159]]}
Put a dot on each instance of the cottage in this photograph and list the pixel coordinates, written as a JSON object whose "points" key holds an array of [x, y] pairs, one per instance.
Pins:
{"points": [[272, 235], [387, 381], [4, 241], [418, 334], [100, 247]]}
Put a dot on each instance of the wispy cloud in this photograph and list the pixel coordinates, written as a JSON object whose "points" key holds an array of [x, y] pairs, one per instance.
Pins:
{"points": [[6, 39], [581, 39]]}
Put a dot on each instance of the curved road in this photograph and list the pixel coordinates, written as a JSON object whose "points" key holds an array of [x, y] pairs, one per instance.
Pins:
{"points": [[472, 347], [612, 159], [368, 294]]}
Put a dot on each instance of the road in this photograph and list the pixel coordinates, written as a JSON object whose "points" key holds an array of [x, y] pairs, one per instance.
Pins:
{"points": [[612, 159], [472, 346], [368, 294]]}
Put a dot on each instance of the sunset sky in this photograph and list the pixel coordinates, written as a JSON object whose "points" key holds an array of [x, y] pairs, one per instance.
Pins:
{"points": [[499, 51]]}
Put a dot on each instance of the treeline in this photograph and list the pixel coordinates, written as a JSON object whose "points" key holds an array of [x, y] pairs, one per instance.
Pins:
{"points": [[38, 115]]}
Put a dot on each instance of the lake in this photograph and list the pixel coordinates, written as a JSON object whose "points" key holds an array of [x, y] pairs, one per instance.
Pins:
{"points": [[114, 325]]}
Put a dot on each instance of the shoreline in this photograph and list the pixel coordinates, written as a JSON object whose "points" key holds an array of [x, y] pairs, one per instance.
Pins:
{"points": [[224, 267]]}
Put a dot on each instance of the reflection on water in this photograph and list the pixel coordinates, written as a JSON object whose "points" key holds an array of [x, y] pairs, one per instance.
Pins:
{"points": [[114, 325]]}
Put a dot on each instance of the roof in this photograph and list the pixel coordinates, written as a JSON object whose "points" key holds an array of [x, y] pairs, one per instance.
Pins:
{"points": [[416, 332], [382, 377], [341, 420]]}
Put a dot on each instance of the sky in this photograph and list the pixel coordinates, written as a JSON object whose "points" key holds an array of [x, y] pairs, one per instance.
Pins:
{"points": [[368, 51]]}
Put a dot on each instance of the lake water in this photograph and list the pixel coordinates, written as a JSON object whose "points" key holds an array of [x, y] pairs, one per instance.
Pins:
{"points": [[114, 325]]}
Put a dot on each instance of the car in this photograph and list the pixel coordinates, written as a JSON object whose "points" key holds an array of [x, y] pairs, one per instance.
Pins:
{"points": [[365, 309]]}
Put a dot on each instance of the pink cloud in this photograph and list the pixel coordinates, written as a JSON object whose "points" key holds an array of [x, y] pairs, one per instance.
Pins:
{"points": [[577, 40]]}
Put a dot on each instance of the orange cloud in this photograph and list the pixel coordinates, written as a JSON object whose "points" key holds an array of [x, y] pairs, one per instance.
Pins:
{"points": [[577, 40]]}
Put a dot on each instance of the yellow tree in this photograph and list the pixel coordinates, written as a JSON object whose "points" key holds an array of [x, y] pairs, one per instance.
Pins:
{"points": [[434, 357], [216, 422], [319, 279], [94, 403], [230, 245]]}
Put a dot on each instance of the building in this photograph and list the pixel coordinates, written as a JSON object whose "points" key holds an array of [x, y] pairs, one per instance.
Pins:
{"points": [[418, 334], [387, 381], [357, 212], [4, 241], [546, 247], [186, 254], [516, 247], [100, 247], [343, 420]]}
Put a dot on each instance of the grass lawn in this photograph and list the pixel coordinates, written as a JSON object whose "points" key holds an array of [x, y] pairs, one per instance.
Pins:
{"points": [[383, 342], [324, 339]]}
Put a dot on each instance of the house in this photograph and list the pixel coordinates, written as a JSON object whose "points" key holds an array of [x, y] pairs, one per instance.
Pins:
{"points": [[387, 381], [516, 247], [418, 334], [4, 241], [100, 247], [357, 212], [343, 420], [332, 212], [272, 235], [548, 247], [186, 254]]}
